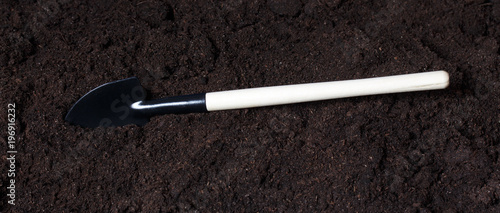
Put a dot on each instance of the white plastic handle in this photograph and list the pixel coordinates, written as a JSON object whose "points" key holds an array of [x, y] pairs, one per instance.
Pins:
{"points": [[288, 94]]}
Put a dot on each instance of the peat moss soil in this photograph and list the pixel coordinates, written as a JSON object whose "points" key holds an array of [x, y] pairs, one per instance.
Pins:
{"points": [[425, 151]]}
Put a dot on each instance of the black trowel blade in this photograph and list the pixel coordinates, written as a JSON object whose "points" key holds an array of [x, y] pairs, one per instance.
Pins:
{"points": [[109, 105]]}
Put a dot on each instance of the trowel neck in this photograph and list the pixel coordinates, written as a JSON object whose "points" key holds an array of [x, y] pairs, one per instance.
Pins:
{"points": [[172, 105]]}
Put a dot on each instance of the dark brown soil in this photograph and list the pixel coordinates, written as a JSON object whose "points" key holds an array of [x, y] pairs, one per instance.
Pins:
{"points": [[416, 152]]}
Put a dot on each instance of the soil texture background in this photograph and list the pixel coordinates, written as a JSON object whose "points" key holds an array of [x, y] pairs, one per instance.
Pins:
{"points": [[433, 151]]}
